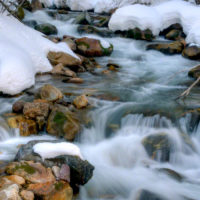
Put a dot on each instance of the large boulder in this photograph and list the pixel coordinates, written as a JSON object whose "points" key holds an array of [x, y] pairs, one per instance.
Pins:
{"points": [[63, 123], [158, 146], [81, 171], [47, 29], [191, 52], [167, 48], [50, 93], [92, 47], [63, 58]]}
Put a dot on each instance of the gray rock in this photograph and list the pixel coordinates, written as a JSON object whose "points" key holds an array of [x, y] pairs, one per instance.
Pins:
{"points": [[47, 29]]}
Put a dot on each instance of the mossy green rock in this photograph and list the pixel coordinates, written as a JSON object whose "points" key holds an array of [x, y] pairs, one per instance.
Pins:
{"points": [[63, 123], [47, 29], [158, 146], [138, 34]]}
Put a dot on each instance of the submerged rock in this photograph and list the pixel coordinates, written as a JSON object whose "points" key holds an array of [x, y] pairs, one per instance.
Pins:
{"points": [[92, 47], [191, 52], [59, 69], [147, 195], [47, 29], [63, 123], [83, 18], [81, 171], [167, 48], [158, 146], [94, 30]]}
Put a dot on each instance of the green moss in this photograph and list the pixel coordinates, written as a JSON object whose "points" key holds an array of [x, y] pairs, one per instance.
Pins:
{"points": [[20, 13], [107, 51], [59, 118], [59, 186], [27, 168], [84, 44]]}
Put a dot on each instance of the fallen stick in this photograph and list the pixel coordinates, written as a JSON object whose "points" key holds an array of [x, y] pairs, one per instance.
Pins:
{"points": [[187, 92]]}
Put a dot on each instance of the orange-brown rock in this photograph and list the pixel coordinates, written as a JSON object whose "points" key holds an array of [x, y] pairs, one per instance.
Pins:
{"points": [[81, 102], [92, 47], [63, 58], [27, 195], [30, 171], [16, 179], [36, 109], [26, 126], [59, 69]]}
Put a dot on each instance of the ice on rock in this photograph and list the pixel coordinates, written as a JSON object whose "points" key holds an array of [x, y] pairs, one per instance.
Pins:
{"points": [[23, 52], [51, 150]]}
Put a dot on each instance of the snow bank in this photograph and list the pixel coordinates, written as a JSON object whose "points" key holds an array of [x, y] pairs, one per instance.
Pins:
{"points": [[158, 17], [51, 150], [23, 52], [97, 5]]}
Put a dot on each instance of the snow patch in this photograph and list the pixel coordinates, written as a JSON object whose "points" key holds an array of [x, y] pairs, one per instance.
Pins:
{"points": [[158, 17], [51, 150], [23, 52]]}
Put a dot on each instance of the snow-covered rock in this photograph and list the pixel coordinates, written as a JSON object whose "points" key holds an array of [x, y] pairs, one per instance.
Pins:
{"points": [[23, 52], [158, 17], [52, 150]]}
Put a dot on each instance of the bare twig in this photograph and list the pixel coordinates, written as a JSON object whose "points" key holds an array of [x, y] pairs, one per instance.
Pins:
{"points": [[187, 92]]}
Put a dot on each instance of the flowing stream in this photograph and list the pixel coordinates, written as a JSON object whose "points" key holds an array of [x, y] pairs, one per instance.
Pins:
{"points": [[128, 105]]}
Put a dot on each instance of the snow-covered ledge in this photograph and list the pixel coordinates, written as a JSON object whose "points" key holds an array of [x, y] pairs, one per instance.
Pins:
{"points": [[23, 53], [158, 17]]}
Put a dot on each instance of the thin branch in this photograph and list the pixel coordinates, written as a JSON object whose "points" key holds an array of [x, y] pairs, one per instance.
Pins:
{"points": [[187, 92]]}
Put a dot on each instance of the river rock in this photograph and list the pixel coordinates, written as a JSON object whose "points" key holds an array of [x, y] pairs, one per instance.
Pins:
{"points": [[27, 195], [18, 107], [191, 52], [147, 195], [36, 109], [16, 179], [81, 102], [88, 29], [70, 43], [158, 146], [52, 190], [138, 34], [63, 58], [26, 126], [167, 48], [174, 34], [10, 192], [176, 26], [50, 93], [92, 47], [83, 18], [59, 69], [194, 72], [80, 170], [63, 123], [75, 80], [31, 172], [31, 23], [47, 29], [36, 5]]}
